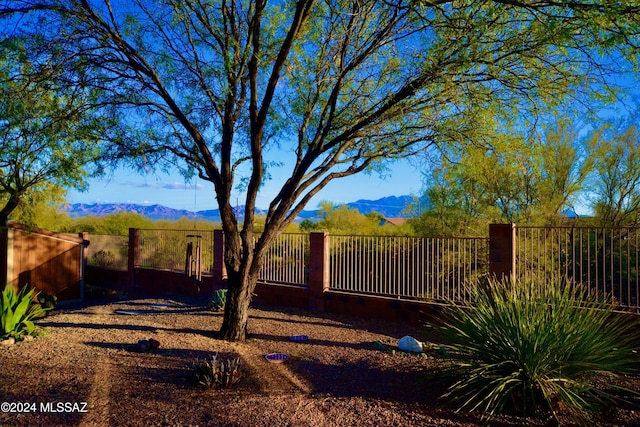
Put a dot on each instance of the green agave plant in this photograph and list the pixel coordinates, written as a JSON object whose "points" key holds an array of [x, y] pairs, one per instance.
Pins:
{"points": [[17, 311], [537, 348], [218, 300]]}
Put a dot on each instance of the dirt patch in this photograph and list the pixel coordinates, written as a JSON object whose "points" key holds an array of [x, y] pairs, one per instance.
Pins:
{"points": [[339, 377]]}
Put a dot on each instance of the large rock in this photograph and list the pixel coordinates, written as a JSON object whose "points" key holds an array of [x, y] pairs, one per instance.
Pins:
{"points": [[142, 346], [410, 344], [9, 341]]}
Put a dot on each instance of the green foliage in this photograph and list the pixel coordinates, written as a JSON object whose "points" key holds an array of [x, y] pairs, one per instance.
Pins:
{"points": [[39, 207], [17, 312], [258, 225], [47, 139], [116, 224], [218, 300], [216, 372], [185, 224], [539, 347], [513, 176], [615, 185], [47, 302], [348, 221]]}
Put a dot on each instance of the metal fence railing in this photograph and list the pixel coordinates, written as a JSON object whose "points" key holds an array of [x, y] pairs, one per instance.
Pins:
{"points": [[108, 251], [606, 260], [167, 249], [407, 267], [287, 260]]}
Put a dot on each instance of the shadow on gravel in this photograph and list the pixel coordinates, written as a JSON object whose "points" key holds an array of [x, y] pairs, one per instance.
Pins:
{"points": [[204, 332]]}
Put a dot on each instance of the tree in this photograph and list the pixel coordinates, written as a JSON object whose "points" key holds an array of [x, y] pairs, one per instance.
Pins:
{"points": [[40, 207], [515, 177], [116, 224], [615, 189], [345, 220], [336, 87], [45, 140]]}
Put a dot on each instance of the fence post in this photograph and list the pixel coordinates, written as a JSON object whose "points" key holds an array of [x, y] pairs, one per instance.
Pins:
{"points": [[502, 251], [134, 257], [219, 269], [83, 261], [318, 269], [4, 256]]}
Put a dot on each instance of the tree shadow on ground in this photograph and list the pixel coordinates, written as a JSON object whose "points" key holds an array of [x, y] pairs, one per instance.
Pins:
{"points": [[168, 352], [342, 320], [139, 328], [365, 345]]}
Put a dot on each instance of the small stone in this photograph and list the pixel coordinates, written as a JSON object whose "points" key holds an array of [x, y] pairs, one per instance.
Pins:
{"points": [[9, 341], [154, 344], [27, 338], [142, 346], [410, 344]]}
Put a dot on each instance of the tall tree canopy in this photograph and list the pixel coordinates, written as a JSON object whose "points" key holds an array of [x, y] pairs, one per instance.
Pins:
{"points": [[526, 178], [46, 141], [615, 189], [334, 87]]}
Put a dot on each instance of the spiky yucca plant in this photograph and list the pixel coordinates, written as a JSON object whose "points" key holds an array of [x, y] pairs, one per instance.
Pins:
{"points": [[536, 348], [216, 372]]}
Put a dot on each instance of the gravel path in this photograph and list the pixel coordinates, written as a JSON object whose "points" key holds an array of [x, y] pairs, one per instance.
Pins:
{"points": [[86, 366]]}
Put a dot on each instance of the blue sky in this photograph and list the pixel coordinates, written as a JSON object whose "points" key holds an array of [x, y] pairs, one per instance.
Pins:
{"points": [[128, 186]]}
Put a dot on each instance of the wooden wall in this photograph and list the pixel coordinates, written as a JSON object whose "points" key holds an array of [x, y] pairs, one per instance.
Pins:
{"points": [[50, 262]]}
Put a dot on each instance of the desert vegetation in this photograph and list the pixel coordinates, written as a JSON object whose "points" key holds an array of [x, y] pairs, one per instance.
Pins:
{"points": [[542, 349]]}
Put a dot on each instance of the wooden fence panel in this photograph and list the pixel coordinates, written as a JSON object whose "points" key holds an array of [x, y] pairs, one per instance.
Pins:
{"points": [[50, 262]]}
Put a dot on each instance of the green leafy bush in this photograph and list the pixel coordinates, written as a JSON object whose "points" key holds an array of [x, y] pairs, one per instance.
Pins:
{"points": [[537, 349], [17, 312], [48, 302], [218, 300], [216, 372]]}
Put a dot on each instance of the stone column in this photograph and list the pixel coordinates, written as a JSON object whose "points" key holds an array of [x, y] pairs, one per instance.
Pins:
{"points": [[318, 269], [502, 251]]}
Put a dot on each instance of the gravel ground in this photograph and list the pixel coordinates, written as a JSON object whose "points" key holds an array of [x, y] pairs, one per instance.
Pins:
{"points": [[85, 371]]}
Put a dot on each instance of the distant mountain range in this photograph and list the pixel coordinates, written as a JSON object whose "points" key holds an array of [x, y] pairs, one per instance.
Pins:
{"points": [[389, 207]]}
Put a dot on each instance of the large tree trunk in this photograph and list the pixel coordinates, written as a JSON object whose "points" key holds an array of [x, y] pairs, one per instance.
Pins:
{"points": [[10, 206], [236, 312], [243, 259], [243, 262]]}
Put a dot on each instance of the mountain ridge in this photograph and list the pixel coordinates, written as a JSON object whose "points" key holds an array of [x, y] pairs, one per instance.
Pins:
{"points": [[390, 207]]}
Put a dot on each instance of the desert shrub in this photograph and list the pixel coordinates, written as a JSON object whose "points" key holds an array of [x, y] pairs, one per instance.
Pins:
{"points": [[47, 302], [103, 258], [17, 311], [218, 300], [216, 372], [539, 349]]}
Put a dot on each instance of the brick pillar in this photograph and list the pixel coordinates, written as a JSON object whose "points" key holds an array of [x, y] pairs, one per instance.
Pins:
{"points": [[502, 251], [318, 269], [134, 257], [219, 269]]}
